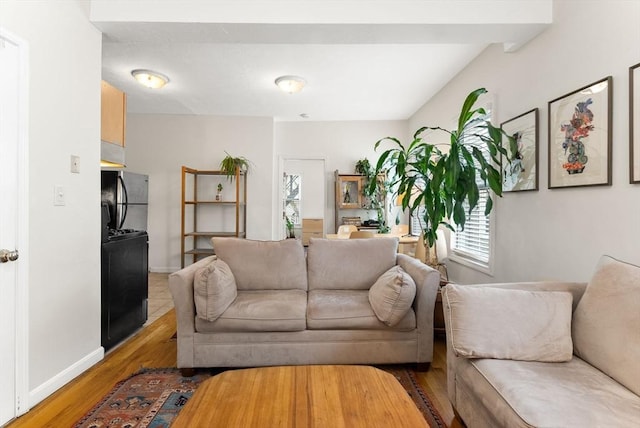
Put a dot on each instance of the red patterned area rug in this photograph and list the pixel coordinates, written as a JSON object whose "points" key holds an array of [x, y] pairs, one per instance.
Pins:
{"points": [[153, 398]]}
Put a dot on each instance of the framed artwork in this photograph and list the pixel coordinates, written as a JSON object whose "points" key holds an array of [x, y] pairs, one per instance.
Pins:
{"points": [[634, 124], [580, 136], [522, 172], [348, 191]]}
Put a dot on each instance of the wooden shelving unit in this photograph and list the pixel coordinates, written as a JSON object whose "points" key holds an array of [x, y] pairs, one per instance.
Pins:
{"points": [[205, 216], [350, 201]]}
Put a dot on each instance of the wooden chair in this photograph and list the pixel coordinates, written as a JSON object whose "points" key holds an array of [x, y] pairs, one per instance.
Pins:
{"points": [[346, 229], [400, 229], [361, 234]]}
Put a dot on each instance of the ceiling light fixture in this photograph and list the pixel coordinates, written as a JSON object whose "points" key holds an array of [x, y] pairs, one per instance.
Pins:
{"points": [[290, 84], [150, 79]]}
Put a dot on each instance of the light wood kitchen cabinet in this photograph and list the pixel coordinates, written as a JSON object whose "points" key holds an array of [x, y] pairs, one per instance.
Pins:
{"points": [[113, 114]]}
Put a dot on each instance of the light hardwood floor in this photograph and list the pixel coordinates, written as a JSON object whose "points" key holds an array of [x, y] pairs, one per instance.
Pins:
{"points": [[153, 346]]}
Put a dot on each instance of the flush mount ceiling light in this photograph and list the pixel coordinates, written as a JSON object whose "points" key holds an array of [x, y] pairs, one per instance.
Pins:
{"points": [[290, 84], [150, 79]]}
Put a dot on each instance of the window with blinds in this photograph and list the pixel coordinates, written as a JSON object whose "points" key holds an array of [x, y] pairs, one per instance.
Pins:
{"points": [[474, 242]]}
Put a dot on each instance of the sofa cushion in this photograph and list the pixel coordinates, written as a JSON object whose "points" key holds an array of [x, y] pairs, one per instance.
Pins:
{"points": [[348, 309], [392, 295], [606, 325], [263, 310], [264, 265], [509, 324], [214, 289], [570, 394], [349, 264]]}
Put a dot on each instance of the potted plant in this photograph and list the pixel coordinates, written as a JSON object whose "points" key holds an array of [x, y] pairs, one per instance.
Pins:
{"points": [[363, 166], [229, 164], [290, 232], [219, 192], [442, 181]]}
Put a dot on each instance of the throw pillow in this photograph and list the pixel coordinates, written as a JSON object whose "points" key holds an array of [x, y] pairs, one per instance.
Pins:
{"points": [[606, 324], [214, 290], [392, 295], [485, 322]]}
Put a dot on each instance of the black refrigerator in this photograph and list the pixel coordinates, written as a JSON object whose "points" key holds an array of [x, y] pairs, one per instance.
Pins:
{"points": [[124, 260]]}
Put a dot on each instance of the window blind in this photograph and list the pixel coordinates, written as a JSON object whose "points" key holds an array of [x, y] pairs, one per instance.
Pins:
{"points": [[474, 242]]}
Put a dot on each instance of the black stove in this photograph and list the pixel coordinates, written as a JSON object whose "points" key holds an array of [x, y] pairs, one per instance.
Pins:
{"points": [[118, 234]]}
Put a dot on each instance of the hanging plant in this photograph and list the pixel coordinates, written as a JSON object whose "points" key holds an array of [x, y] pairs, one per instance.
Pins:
{"points": [[229, 165]]}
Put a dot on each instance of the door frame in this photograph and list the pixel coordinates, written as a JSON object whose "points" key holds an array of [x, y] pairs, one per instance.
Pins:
{"points": [[279, 221], [22, 404]]}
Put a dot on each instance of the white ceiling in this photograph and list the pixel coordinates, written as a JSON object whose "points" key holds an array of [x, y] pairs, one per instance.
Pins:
{"points": [[363, 60]]}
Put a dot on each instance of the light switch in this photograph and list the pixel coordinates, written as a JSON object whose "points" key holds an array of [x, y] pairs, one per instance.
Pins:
{"points": [[75, 164], [58, 195]]}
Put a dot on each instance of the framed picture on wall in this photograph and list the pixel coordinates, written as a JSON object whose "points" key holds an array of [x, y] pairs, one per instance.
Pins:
{"points": [[522, 172], [580, 136], [634, 123]]}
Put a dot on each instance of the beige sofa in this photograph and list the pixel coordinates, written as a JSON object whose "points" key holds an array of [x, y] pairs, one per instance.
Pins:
{"points": [[549, 354], [288, 306]]}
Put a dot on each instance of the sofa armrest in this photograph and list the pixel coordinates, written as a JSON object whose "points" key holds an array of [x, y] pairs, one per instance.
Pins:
{"points": [[181, 287], [575, 288], [427, 282]]}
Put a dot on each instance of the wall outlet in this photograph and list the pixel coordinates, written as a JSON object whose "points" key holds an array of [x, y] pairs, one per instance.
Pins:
{"points": [[58, 195], [75, 164]]}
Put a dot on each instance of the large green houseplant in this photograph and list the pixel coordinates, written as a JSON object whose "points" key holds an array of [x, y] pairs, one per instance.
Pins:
{"points": [[442, 180]]}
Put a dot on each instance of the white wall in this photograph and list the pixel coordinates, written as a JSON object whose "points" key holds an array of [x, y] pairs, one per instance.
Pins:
{"points": [[158, 145], [64, 120], [557, 233], [342, 144]]}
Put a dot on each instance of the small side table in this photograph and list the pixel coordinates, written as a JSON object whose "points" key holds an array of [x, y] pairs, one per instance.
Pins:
{"points": [[438, 312]]}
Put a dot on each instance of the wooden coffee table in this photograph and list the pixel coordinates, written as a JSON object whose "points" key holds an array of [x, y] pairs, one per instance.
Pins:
{"points": [[301, 397]]}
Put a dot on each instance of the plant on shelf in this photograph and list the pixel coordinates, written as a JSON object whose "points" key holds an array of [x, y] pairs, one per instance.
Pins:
{"points": [[374, 195], [442, 181], [229, 165], [363, 167]]}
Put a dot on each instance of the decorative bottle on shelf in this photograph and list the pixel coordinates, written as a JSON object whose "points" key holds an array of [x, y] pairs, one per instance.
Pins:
{"points": [[219, 193]]}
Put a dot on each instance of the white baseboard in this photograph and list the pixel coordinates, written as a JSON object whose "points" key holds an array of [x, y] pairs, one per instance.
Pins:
{"points": [[58, 381]]}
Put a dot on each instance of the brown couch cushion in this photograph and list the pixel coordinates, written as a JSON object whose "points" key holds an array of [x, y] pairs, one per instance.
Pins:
{"points": [[264, 265], [606, 323], [486, 322], [214, 289], [262, 310], [349, 264], [348, 310], [392, 295]]}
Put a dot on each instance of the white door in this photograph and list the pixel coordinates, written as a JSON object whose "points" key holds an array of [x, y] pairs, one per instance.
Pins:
{"points": [[311, 200], [12, 225]]}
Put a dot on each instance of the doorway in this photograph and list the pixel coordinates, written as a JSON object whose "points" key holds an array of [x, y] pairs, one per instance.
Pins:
{"points": [[303, 193], [13, 226]]}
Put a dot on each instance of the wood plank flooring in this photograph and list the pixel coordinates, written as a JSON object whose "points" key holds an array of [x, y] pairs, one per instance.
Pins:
{"points": [[153, 347]]}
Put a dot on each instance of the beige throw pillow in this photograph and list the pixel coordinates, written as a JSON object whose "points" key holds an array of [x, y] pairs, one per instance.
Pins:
{"points": [[214, 290], [392, 295], [606, 323], [485, 322]]}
